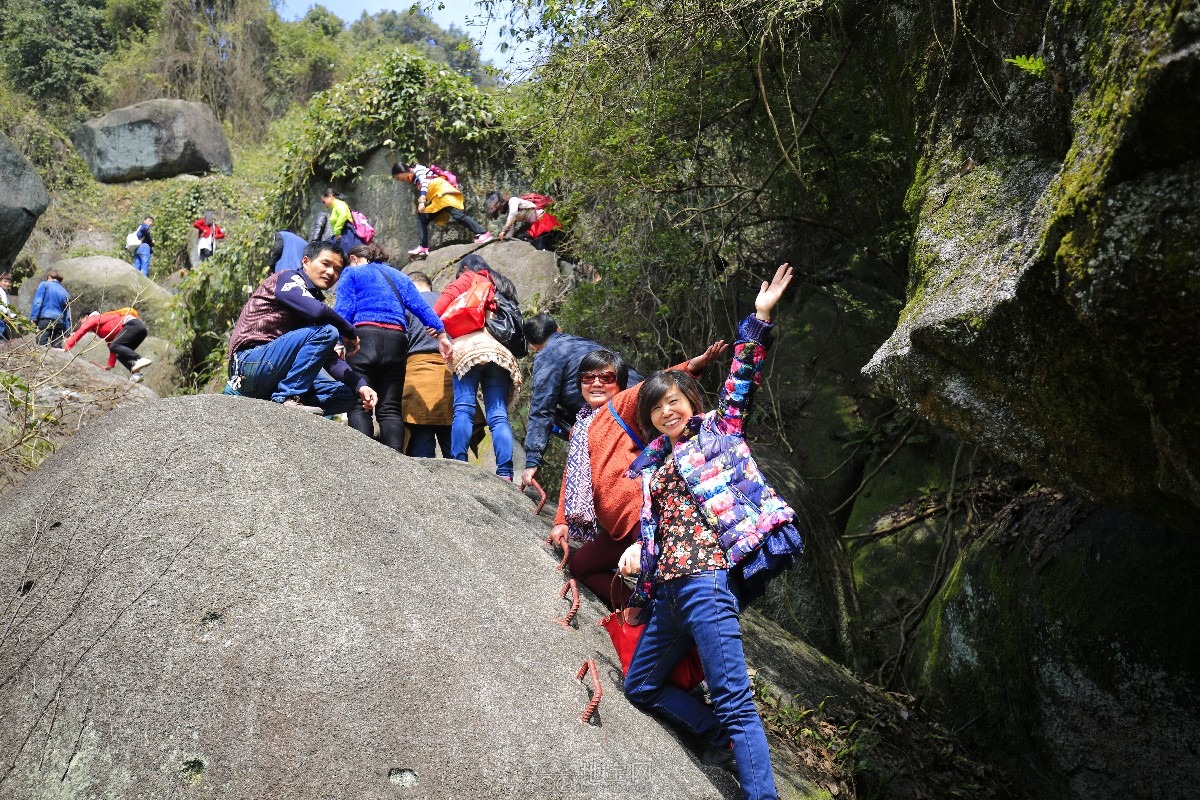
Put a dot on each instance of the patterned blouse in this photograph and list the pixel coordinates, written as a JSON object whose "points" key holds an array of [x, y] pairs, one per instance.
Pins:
{"points": [[687, 544]]}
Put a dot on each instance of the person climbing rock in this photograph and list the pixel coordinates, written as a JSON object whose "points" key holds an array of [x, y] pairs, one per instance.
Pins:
{"points": [[341, 226], [123, 331], [210, 232], [437, 200], [145, 248], [428, 387], [528, 218]]}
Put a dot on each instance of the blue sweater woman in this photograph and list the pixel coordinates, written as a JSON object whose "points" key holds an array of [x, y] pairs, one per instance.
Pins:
{"points": [[373, 296]]}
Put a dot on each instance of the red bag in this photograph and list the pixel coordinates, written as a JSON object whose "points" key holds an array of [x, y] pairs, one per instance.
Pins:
{"points": [[538, 200], [467, 313], [544, 224], [687, 673]]}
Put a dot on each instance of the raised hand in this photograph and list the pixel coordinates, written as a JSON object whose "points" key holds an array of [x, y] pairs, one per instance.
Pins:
{"points": [[769, 294], [710, 354]]}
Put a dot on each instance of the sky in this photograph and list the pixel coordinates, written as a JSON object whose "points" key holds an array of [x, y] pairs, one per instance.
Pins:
{"points": [[462, 13]]}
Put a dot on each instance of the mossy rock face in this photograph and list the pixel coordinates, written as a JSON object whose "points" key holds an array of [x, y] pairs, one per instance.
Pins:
{"points": [[815, 599], [1052, 308], [829, 333], [1065, 643]]}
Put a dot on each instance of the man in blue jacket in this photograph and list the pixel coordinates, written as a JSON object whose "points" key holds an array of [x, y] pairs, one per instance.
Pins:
{"points": [[556, 397], [283, 345], [51, 310]]}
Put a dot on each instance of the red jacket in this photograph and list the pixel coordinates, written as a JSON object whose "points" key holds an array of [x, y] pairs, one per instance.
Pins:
{"points": [[107, 326], [214, 231]]}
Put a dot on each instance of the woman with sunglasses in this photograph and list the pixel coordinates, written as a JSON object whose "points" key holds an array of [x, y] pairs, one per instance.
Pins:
{"points": [[598, 505]]}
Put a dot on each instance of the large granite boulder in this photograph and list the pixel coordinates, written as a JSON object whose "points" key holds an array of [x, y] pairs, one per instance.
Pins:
{"points": [[102, 283], [1052, 309], [534, 272], [225, 597], [49, 396], [23, 198], [153, 139]]}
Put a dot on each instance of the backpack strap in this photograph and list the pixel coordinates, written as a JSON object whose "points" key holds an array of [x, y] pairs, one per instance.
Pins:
{"points": [[640, 445]]}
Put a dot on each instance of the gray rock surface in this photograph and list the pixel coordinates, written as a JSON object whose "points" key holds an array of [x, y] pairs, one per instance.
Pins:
{"points": [[49, 396], [102, 283], [534, 272], [1051, 313], [23, 198], [153, 139], [222, 597]]}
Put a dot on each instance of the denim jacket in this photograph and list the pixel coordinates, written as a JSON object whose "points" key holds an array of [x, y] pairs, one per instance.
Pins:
{"points": [[715, 462]]}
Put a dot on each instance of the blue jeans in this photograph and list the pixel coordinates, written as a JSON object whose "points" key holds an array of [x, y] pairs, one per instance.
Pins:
{"points": [[291, 366], [701, 609], [141, 259], [494, 381], [424, 439]]}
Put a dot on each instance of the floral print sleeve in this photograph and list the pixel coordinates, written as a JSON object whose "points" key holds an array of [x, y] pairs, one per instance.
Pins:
{"points": [[745, 375]]}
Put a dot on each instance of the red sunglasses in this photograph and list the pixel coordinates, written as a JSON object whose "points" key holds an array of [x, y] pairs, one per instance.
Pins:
{"points": [[603, 378]]}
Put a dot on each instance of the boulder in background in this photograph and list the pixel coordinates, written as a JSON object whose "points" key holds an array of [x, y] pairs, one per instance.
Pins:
{"points": [[23, 198], [102, 283], [153, 139]]}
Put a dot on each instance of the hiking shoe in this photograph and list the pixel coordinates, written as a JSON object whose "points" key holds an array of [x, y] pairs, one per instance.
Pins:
{"points": [[720, 757], [294, 402], [486, 236], [140, 365], [136, 378], [419, 251]]}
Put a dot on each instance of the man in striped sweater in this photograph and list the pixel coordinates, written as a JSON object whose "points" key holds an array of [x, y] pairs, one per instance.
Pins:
{"points": [[283, 346]]}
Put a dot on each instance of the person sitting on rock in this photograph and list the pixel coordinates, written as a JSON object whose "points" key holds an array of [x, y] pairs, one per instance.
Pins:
{"points": [[51, 310], [556, 397], [283, 344], [123, 330], [141, 256], [437, 195]]}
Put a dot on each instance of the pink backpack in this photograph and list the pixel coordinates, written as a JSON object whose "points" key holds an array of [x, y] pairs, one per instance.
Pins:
{"points": [[362, 226], [446, 174]]}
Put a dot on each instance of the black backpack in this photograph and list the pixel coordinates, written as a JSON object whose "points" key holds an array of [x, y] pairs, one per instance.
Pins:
{"points": [[504, 324]]}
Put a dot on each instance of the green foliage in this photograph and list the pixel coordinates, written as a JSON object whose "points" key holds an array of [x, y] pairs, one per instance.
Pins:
{"points": [[693, 147], [52, 50], [453, 47], [131, 19], [39, 140], [1034, 65], [407, 103]]}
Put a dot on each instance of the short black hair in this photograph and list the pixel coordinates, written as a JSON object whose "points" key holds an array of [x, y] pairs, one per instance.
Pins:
{"points": [[315, 249], [417, 275], [539, 328], [329, 192], [399, 168], [657, 385], [599, 359]]}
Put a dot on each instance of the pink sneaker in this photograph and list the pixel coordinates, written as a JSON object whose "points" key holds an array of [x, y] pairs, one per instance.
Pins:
{"points": [[486, 236], [419, 251]]}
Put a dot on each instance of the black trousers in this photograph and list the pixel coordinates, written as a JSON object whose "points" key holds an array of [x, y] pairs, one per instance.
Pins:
{"points": [[51, 331], [382, 359], [456, 214], [124, 347]]}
